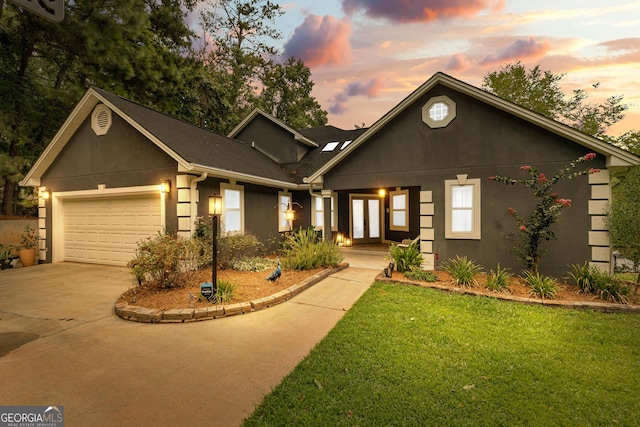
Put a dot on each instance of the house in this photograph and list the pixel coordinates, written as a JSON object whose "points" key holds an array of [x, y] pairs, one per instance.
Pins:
{"points": [[117, 172]]}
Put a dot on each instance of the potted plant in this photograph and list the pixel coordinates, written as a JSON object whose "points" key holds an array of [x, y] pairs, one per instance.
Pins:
{"points": [[29, 244], [7, 254]]}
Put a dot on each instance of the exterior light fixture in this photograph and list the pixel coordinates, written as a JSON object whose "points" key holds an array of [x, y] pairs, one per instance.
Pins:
{"points": [[289, 214], [215, 210], [382, 192], [44, 194], [165, 187]]}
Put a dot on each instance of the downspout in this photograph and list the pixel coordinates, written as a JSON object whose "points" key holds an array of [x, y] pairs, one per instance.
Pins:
{"points": [[194, 201]]}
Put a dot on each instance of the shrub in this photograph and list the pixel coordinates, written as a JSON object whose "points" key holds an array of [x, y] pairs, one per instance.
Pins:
{"points": [[231, 246], [462, 270], [252, 264], [421, 275], [498, 280], [225, 292], [406, 258], [164, 261], [592, 280], [302, 250], [542, 286]]}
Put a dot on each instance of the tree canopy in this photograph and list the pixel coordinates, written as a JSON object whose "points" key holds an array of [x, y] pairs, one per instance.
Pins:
{"points": [[142, 50], [540, 91]]}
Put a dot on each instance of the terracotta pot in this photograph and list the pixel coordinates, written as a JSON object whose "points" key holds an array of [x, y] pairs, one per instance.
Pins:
{"points": [[27, 257]]}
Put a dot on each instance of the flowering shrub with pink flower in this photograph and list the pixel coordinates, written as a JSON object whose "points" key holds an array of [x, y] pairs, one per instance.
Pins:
{"points": [[536, 228]]}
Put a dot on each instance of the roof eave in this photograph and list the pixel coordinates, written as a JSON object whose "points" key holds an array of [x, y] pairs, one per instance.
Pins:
{"points": [[239, 176]]}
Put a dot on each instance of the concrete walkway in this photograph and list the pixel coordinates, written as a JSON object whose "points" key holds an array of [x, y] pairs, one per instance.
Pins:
{"points": [[61, 344]]}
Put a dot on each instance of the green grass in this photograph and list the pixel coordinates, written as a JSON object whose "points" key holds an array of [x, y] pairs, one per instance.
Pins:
{"points": [[408, 356]]}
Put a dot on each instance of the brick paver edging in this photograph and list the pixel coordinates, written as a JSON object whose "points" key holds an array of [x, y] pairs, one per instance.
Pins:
{"points": [[136, 313], [606, 307]]}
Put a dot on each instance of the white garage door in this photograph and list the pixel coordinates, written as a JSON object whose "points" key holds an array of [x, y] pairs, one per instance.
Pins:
{"points": [[105, 230]]}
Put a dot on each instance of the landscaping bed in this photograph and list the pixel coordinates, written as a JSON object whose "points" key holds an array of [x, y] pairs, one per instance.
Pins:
{"points": [[517, 289], [250, 285]]}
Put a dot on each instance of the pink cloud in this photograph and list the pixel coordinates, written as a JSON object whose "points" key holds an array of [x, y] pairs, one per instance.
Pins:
{"points": [[520, 49], [320, 40], [420, 10], [628, 44], [458, 62], [370, 89]]}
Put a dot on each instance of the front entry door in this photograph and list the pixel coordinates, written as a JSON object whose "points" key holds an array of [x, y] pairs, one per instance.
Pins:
{"points": [[365, 219]]}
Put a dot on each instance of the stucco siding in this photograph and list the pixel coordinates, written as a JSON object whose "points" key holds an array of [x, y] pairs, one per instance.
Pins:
{"points": [[481, 141]]}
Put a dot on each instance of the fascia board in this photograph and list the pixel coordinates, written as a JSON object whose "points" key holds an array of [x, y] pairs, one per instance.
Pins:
{"points": [[253, 179]]}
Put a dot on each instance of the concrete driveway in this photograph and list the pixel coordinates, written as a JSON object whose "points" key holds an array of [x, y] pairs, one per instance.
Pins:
{"points": [[61, 344]]}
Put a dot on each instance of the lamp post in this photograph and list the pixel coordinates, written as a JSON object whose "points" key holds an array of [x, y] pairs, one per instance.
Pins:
{"points": [[215, 209]]}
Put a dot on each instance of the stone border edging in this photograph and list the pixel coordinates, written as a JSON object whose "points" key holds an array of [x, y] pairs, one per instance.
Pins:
{"points": [[605, 307], [136, 313]]}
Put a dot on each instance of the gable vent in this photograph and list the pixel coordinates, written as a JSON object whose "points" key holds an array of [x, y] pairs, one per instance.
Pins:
{"points": [[101, 119]]}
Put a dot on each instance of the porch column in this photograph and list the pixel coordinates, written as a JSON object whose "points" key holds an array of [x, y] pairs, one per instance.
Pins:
{"points": [[427, 235], [184, 208], [601, 253], [42, 224], [327, 233]]}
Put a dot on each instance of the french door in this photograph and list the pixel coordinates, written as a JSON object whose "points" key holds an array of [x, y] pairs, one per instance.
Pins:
{"points": [[365, 219]]}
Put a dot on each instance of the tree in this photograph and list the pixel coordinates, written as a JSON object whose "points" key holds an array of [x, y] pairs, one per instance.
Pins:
{"points": [[241, 71], [131, 48], [540, 91], [536, 228], [286, 94], [623, 217]]}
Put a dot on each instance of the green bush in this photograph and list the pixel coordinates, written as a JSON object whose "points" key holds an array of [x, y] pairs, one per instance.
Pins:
{"points": [[303, 250], [164, 261], [252, 264], [231, 246], [541, 286], [591, 280], [421, 275], [499, 279], [406, 258], [463, 271]]}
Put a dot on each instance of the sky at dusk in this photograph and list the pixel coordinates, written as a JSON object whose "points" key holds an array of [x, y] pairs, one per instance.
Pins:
{"points": [[367, 55]]}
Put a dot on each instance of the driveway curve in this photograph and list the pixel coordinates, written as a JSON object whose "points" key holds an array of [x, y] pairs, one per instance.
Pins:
{"points": [[61, 344]]}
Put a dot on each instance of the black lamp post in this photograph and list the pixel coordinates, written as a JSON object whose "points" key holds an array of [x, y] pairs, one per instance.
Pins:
{"points": [[215, 209]]}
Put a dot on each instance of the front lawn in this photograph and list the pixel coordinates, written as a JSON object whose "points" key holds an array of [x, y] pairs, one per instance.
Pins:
{"points": [[413, 356]]}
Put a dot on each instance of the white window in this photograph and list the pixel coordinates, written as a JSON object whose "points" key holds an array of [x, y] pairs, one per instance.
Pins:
{"points": [[462, 205], [232, 207], [399, 210], [317, 213], [284, 202]]}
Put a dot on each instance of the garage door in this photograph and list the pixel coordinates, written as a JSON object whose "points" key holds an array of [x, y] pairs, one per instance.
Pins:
{"points": [[106, 230]]}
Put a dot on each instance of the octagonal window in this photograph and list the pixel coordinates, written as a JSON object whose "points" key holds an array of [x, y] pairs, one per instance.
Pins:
{"points": [[439, 112]]}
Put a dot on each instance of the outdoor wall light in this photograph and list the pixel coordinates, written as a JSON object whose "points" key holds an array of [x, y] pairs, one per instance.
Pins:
{"points": [[44, 194], [382, 192], [165, 187]]}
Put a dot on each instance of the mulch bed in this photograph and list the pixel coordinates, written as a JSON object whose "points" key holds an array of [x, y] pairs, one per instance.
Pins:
{"points": [[253, 285]]}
